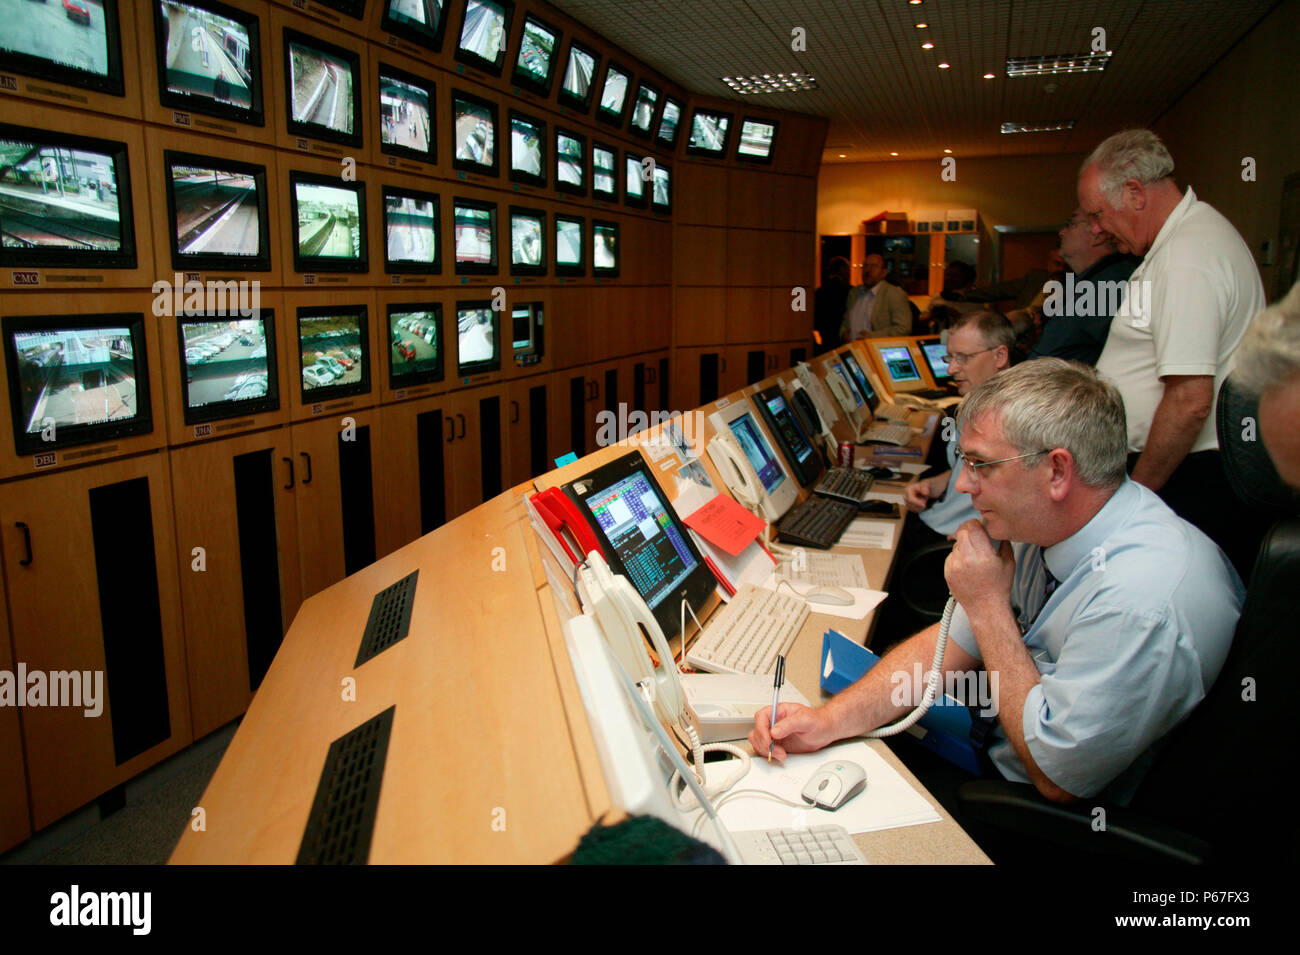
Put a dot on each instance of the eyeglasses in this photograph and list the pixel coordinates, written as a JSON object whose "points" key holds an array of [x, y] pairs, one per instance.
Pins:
{"points": [[964, 460], [961, 358]]}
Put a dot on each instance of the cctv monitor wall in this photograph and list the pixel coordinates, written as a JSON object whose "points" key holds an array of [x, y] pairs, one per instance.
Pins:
{"points": [[217, 212], [228, 365], [483, 35], [527, 241], [569, 244], [412, 231], [328, 223], [709, 131], [474, 237], [527, 149], [323, 89], [570, 161], [474, 133], [539, 47], [415, 343], [333, 352], [756, 139], [669, 123], [604, 248], [417, 21], [406, 115], [578, 85], [478, 337], [604, 172], [209, 59]]}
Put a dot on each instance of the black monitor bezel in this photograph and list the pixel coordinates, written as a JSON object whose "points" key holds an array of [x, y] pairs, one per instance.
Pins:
{"points": [[477, 268], [537, 320], [597, 271], [805, 474], [142, 423], [720, 153], [218, 410], [431, 91], [560, 184], [111, 83], [216, 261], [869, 397], [411, 379], [254, 115], [477, 368], [314, 264], [939, 379], [331, 392], [632, 127], [413, 34], [472, 59], [517, 175], [345, 7], [663, 207], [630, 200], [563, 269], [317, 130], [579, 104], [528, 269], [412, 268], [56, 258], [608, 117], [469, 165], [601, 193], [669, 142], [740, 138], [526, 80]]}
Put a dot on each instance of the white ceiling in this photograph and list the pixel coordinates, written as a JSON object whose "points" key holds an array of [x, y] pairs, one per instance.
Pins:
{"points": [[883, 93]]}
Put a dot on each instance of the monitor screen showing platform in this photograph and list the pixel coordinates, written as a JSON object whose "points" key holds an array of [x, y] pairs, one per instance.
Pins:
{"points": [[475, 234], [570, 154], [614, 94], [411, 231], [476, 338], [322, 86], [569, 259], [209, 59], [405, 117], [755, 140], [527, 149], [669, 121], [218, 212], [708, 133], [329, 224]]}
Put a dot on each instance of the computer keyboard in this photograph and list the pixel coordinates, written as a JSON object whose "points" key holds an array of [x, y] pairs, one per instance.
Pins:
{"points": [[845, 484], [816, 845], [817, 522], [892, 412], [747, 634], [899, 434]]}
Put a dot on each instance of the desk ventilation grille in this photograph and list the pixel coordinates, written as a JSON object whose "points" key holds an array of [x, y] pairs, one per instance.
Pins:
{"points": [[342, 817], [390, 618]]}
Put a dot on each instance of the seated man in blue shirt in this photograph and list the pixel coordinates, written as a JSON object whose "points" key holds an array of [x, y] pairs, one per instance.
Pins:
{"points": [[1106, 622]]}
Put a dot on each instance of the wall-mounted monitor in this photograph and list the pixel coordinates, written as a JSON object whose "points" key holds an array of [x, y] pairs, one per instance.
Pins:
{"points": [[65, 201], [570, 161], [483, 34], [527, 149], [333, 344], [76, 43], [528, 330], [569, 245], [218, 214], [661, 195], [579, 81], [756, 139], [474, 125], [328, 217], [227, 365], [477, 338], [613, 95], [322, 89], [475, 237], [527, 241], [412, 227], [604, 248], [708, 133], [670, 121], [538, 50], [643, 109], [76, 379], [604, 171], [209, 59], [414, 343], [419, 21], [635, 186], [406, 126]]}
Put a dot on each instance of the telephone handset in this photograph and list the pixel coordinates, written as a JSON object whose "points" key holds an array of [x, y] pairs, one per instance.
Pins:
{"points": [[739, 474], [567, 527], [840, 389]]}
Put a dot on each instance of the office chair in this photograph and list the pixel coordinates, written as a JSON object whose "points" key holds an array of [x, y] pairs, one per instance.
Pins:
{"points": [[921, 583], [1213, 792]]}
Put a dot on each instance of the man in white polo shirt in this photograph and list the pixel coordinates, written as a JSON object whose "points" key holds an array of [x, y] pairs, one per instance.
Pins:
{"points": [[1172, 341]]}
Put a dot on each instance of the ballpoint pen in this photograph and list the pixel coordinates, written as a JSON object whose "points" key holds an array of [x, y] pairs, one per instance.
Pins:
{"points": [[777, 680]]}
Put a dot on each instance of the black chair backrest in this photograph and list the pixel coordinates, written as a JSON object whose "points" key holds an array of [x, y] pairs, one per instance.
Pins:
{"points": [[1246, 463]]}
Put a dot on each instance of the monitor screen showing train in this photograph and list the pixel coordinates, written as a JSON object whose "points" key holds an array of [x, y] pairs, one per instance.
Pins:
{"points": [[476, 338], [209, 59], [329, 224]]}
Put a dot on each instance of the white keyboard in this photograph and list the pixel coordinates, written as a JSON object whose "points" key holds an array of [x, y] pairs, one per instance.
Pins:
{"points": [[893, 412], [747, 634], [816, 845], [899, 434]]}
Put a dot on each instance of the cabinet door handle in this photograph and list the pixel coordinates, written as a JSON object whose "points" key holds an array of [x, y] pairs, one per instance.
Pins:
{"points": [[462, 425], [451, 435], [307, 479], [289, 461], [515, 418], [27, 542], [724, 366]]}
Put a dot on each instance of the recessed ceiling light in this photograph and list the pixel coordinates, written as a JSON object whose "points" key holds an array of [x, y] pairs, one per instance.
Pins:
{"points": [[922, 26], [893, 154], [988, 76], [927, 46], [915, 3], [841, 155], [772, 83], [1037, 127], [943, 66], [1063, 63]]}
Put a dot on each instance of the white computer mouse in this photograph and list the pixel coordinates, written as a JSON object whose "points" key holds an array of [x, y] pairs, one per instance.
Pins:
{"points": [[834, 784], [836, 596]]}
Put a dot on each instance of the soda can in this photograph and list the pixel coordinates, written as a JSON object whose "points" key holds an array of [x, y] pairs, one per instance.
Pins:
{"points": [[846, 454]]}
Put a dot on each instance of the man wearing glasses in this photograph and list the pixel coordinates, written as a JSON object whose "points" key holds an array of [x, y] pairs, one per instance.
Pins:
{"points": [[1105, 622]]}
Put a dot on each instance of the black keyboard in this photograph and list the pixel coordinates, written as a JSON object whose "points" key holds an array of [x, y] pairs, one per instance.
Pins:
{"points": [[817, 522], [933, 393], [846, 484]]}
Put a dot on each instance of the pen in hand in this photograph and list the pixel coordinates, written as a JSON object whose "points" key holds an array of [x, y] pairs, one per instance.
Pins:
{"points": [[777, 680]]}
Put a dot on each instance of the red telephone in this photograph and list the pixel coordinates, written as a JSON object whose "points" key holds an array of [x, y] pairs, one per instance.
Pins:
{"points": [[566, 524]]}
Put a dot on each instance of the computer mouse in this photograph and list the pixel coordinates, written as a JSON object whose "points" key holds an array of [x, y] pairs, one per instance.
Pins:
{"points": [[878, 509], [836, 596], [834, 784], [885, 474]]}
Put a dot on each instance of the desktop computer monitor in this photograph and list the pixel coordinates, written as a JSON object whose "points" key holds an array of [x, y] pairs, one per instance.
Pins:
{"points": [[936, 355], [858, 379], [744, 457], [900, 367], [795, 444]]}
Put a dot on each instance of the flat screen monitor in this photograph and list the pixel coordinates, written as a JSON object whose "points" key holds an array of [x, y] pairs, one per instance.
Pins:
{"points": [[756, 138], [477, 336], [662, 196], [669, 122], [643, 109], [898, 364], [76, 379], [858, 381], [790, 436], [777, 490], [227, 365], [483, 35], [936, 354], [209, 59], [570, 161], [406, 126], [837, 368], [419, 21], [613, 95], [65, 201], [474, 124], [332, 348], [414, 343], [78, 43], [527, 241], [329, 224], [579, 77], [900, 244], [412, 227], [755, 447], [604, 171], [569, 259], [218, 213], [475, 237], [634, 184], [527, 325], [604, 248], [708, 133], [322, 89], [535, 64], [527, 149]]}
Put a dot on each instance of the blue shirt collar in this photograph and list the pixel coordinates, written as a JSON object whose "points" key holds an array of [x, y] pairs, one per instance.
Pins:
{"points": [[1064, 556]]}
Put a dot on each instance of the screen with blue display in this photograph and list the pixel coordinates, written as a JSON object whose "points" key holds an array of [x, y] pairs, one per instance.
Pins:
{"points": [[857, 398], [759, 452], [864, 386], [789, 428]]}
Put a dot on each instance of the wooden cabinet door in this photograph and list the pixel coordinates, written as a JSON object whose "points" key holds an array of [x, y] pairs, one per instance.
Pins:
{"points": [[15, 823], [416, 498], [529, 406], [475, 452]]}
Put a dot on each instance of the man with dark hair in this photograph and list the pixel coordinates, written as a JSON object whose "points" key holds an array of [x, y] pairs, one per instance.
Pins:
{"points": [[828, 305]]}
